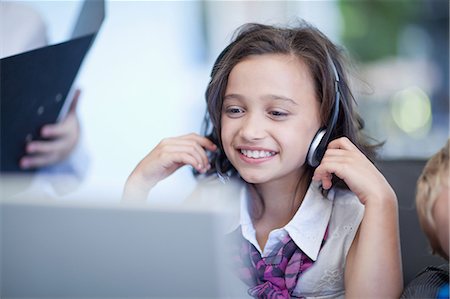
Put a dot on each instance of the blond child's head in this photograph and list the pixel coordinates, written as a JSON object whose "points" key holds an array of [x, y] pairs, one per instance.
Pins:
{"points": [[432, 201]]}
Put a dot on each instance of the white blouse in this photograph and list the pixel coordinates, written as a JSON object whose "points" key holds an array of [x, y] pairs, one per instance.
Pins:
{"points": [[342, 212]]}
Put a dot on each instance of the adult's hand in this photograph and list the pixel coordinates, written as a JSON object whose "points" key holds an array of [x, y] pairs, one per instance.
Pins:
{"points": [[62, 139]]}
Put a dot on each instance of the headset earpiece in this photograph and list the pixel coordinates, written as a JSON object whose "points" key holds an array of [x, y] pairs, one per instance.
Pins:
{"points": [[313, 158]]}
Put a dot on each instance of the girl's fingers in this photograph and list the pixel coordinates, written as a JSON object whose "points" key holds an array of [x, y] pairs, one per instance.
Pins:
{"points": [[328, 169], [197, 148], [339, 154], [325, 179], [183, 158], [323, 176], [335, 153], [343, 159], [342, 143], [171, 154], [197, 142], [203, 141], [168, 156], [172, 151], [177, 144], [157, 166]]}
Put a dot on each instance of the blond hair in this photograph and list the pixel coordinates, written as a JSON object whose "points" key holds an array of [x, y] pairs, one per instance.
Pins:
{"points": [[432, 181]]}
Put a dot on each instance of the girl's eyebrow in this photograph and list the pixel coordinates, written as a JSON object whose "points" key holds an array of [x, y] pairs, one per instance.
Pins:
{"points": [[266, 97], [281, 98], [233, 96]]}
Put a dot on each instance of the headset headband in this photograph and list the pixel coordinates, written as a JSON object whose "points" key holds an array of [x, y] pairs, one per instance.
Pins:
{"points": [[318, 148]]}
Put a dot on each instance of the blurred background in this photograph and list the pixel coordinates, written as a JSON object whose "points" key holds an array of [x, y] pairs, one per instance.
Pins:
{"points": [[145, 76]]}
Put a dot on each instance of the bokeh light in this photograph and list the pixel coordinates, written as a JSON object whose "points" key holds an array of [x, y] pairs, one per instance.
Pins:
{"points": [[411, 111]]}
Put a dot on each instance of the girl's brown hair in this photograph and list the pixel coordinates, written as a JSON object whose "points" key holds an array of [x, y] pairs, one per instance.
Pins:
{"points": [[304, 42]]}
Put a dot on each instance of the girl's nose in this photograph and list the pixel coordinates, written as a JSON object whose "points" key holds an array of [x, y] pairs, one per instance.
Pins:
{"points": [[253, 127]]}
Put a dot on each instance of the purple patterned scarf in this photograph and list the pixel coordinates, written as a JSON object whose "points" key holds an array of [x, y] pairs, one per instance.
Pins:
{"points": [[276, 275]]}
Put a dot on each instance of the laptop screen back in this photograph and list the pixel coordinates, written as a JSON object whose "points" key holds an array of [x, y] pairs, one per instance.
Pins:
{"points": [[60, 249]]}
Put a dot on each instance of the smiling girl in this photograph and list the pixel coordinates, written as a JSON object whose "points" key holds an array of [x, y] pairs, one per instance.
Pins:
{"points": [[317, 218]]}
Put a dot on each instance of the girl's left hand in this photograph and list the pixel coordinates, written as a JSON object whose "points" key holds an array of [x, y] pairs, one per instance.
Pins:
{"points": [[344, 159]]}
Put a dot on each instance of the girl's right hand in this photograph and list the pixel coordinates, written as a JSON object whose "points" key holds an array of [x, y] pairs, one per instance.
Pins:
{"points": [[169, 155]]}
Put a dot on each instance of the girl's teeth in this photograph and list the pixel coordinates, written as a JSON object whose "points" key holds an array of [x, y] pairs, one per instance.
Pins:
{"points": [[257, 154]]}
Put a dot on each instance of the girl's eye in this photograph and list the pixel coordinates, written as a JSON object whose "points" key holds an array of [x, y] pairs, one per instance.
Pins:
{"points": [[277, 114], [234, 111]]}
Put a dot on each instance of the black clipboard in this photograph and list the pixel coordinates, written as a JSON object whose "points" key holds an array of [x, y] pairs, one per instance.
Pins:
{"points": [[35, 86]]}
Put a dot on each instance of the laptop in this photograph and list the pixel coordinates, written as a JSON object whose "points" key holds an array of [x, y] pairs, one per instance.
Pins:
{"points": [[69, 249], [36, 86]]}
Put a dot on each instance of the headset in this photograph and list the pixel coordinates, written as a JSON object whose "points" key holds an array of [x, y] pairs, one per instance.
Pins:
{"points": [[320, 141]]}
